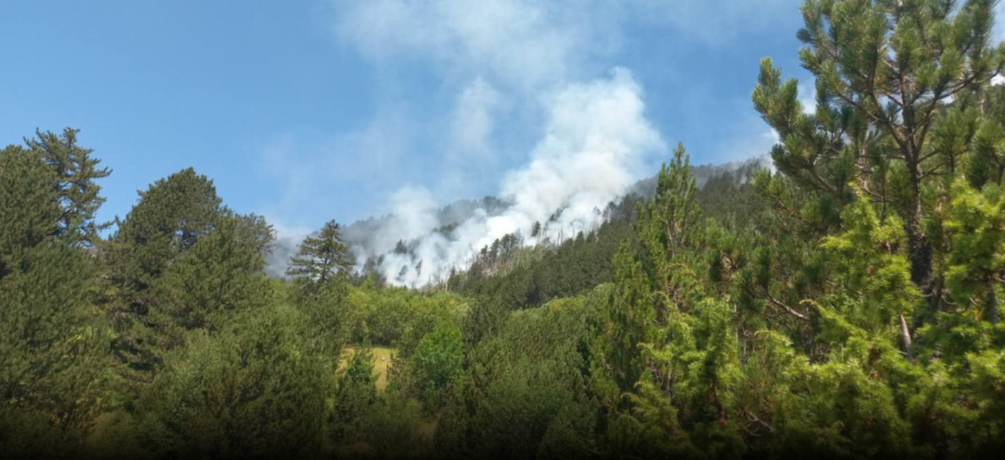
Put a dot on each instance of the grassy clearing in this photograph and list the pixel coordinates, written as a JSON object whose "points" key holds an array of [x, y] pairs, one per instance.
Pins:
{"points": [[381, 359]]}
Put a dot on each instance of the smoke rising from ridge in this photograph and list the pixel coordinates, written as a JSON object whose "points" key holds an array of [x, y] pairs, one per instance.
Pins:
{"points": [[502, 83], [514, 67], [594, 143]]}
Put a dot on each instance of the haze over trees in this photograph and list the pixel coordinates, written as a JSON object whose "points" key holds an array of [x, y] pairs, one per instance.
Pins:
{"points": [[844, 305]]}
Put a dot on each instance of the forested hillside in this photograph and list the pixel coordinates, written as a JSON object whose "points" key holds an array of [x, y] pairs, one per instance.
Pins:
{"points": [[842, 303]]}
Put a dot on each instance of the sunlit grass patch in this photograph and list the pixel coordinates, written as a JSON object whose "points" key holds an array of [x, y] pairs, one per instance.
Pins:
{"points": [[381, 360]]}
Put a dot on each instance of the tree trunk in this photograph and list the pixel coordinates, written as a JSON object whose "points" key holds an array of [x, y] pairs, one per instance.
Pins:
{"points": [[919, 250], [905, 337], [991, 308], [920, 255]]}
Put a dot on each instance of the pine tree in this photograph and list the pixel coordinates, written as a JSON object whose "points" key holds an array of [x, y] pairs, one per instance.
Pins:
{"points": [[50, 343], [667, 355], [221, 274], [172, 216], [976, 264], [75, 174], [321, 258], [252, 390], [51, 347], [27, 203], [356, 393], [885, 72]]}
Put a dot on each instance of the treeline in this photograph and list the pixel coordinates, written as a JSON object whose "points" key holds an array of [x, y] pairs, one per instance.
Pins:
{"points": [[167, 340], [514, 277], [845, 305]]}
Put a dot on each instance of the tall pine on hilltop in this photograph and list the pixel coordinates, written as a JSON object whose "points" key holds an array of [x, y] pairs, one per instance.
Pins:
{"points": [[50, 340], [320, 269], [321, 257], [75, 171]]}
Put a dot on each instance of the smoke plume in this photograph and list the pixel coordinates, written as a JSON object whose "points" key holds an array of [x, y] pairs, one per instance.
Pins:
{"points": [[594, 143]]}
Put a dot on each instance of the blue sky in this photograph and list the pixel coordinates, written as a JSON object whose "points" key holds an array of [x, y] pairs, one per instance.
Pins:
{"points": [[309, 110]]}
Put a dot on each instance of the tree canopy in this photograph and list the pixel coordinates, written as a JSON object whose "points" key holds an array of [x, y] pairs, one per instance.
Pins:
{"points": [[845, 303]]}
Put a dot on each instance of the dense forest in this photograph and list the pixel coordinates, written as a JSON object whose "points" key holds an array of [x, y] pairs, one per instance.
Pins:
{"points": [[842, 303]]}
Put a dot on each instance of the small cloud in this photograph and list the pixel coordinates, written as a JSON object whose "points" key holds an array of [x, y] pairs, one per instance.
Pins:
{"points": [[526, 44]]}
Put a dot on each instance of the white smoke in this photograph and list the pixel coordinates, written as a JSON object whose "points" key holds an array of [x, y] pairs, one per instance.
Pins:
{"points": [[594, 143], [472, 120], [506, 53], [414, 216], [508, 65]]}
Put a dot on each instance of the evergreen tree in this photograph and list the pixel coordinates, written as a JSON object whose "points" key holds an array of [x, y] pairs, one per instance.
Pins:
{"points": [[222, 273], [74, 182], [51, 352], [321, 258], [437, 363], [884, 73], [976, 263], [171, 217], [356, 392], [253, 390], [28, 204], [50, 344], [654, 339]]}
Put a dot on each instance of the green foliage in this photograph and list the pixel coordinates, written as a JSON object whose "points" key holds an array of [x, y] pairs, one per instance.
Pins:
{"points": [[845, 305], [398, 317], [325, 314], [870, 265], [28, 204], [437, 363], [219, 274], [321, 258], [355, 394], [485, 320], [251, 390], [392, 427], [617, 363], [180, 260], [663, 340], [52, 352], [680, 369], [885, 74], [977, 259], [523, 393], [170, 218], [51, 343], [75, 172]]}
